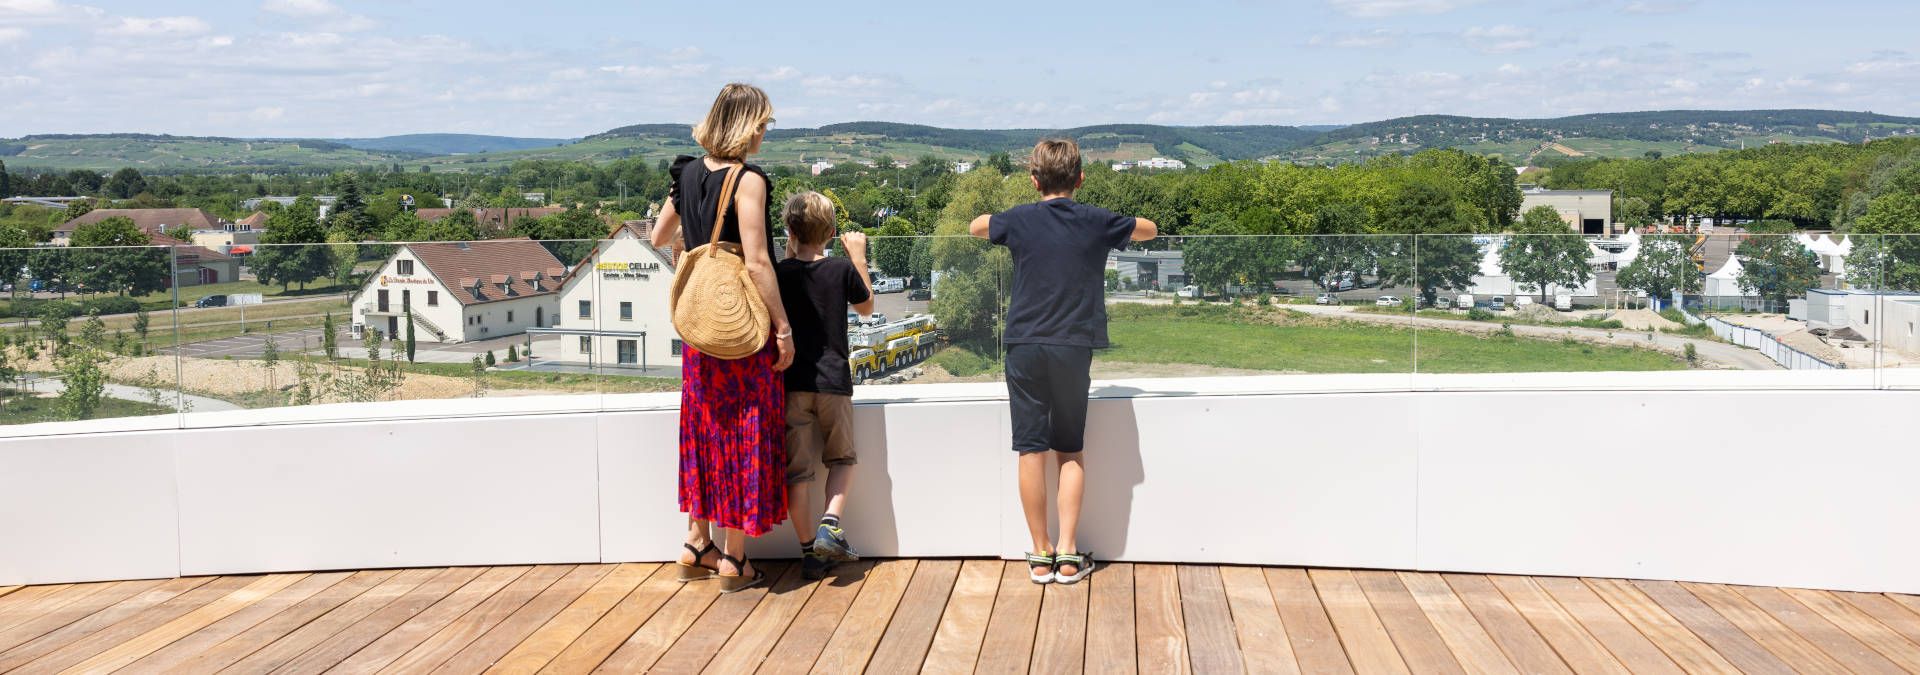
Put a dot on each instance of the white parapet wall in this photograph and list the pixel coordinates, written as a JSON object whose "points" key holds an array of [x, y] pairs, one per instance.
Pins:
{"points": [[1771, 479]]}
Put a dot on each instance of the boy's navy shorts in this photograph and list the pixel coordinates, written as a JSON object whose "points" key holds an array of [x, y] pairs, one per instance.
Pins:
{"points": [[1047, 391]]}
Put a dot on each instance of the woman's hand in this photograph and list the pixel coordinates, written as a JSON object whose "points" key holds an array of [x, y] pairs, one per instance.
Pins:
{"points": [[784, 342]]}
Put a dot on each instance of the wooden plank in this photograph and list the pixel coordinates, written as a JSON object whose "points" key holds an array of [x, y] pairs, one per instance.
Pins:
{"points": [[1621, 639], [487, 649], [340, 618], [279, 625], [1212, 645], [82, 627], [186, 648], [1860, 625], [1579, 649], [1726, 638], [120, 655], [1365, 638], [1465, 638], [544, 644], [756, 636], [1887, 612], [696, 647], [1816, 630], [963, 623], [132, 626], [1060, 638], [645, 646], [1419, 642], [1007, 646], [1523, 645], [1771, 634], [1661, 628], [1911, 602], [406, 636], [866, 620], [1160, 631], [1263, 640], [446, 642], [800, 646], [8, 590], [34, 601], [606, 635], [1110, 621], [345, 643], [44, 613], [1309, 632], [903, 648]]}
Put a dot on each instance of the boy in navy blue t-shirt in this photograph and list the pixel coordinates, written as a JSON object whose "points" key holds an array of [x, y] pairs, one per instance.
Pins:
{"points": [[1056, 317]]}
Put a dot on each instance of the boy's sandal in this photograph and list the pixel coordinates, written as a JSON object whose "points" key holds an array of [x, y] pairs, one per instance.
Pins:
{"points": [[1040, 560], [697, 571], [734, 583], [1082, 562]]}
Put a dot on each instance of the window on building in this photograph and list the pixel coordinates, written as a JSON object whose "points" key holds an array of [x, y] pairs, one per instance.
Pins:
{"points": [[629, 351], [404, 267], [676, 347], [586, 309], [586, 344], [509, 316], [433, 298], [626, 311]]}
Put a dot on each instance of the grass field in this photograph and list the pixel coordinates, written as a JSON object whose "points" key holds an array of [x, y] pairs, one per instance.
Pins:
{"points": [[21, 408]]}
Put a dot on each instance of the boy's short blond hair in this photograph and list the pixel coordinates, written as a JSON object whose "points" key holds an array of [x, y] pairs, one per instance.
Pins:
{"points": [[809, 217], [739, 113], [1056, 165]]}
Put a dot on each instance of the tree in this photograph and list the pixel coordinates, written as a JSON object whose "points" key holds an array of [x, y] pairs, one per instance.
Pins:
{"points": [[79, 207], [141, 322], [410, 336], [1001, 162], [124, 184], [457, 226], [1443, 257], [1776, 268], [1633, 211], [478, 371], [6, 182], [1886, 248], [349, 220], [893, 247], [1336, 249], [83, 383], [290, 252], [136, 268], [1662, 268], [971, 274], [1545, 254], [1234, 257], [270, 360], [93, 331], [490, 361], [329, 340]]}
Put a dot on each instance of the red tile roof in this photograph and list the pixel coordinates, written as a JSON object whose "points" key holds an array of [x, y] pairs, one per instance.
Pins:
{"points": [[257, 221], [464, 264], [148, 220]]}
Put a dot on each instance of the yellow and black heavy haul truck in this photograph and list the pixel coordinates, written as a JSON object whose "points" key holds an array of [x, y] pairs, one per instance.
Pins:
{"points": [[876, 350]]}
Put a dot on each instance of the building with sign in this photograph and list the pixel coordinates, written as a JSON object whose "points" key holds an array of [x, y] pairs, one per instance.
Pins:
{"points": [[462, 291], [614, 306]]}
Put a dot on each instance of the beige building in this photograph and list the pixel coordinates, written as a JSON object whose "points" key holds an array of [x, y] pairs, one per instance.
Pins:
{"points": [[615, 305], [244, 233], [1588, 212], [462, 291]]}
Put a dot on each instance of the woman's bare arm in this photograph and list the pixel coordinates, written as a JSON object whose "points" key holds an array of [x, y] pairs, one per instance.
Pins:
{"points": [[750, 202], [665, 226]]}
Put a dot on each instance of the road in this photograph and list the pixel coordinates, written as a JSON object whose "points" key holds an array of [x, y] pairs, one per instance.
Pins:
{"points": [[1712, 352], [168, 397]]}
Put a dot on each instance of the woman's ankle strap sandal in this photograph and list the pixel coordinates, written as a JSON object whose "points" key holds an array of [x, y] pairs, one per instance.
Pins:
{"points": [[697, 571], [1040, 560], [1082, 564], [734, 583]]}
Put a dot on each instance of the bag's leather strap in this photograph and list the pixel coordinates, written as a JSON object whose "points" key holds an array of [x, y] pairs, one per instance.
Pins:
{"points": [[726, 200]]}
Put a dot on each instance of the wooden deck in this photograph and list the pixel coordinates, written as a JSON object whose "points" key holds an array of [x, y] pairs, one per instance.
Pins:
{"points": [[947, 616]]}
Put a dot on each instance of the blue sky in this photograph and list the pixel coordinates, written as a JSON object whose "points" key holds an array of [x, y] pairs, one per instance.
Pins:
{"points": [[334, 68]]}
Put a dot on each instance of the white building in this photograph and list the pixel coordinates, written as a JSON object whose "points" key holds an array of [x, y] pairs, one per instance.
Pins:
{"points": [[820, 167], [614, 306], [962, 167], [1493, 280], [1155, 163], [462, 291]]}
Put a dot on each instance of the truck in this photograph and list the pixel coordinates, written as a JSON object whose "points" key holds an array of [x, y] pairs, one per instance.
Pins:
{"points": [[1465, 301]]}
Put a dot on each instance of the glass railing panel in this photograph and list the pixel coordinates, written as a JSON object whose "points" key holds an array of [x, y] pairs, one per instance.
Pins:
{"points": [[1889, 265], [87, 334], [1786, 301]]}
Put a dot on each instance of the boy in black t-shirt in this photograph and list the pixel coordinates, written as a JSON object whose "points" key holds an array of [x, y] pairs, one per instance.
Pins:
{"points": [[1056, 317], [816, 291]]}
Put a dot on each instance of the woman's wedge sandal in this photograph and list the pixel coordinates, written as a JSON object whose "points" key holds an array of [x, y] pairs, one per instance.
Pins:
{"points": [[1082, 562], [734, 583], [697, 571], [1040, 560]]}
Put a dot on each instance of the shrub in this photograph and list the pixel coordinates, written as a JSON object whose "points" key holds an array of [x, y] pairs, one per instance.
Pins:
{"points": [[1506, 329], [489, 360], [1479, 314], [110, 304], [1693, 357]]}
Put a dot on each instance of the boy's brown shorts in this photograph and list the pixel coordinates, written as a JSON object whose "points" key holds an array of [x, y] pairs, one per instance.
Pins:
{"points": [[819, 426]]}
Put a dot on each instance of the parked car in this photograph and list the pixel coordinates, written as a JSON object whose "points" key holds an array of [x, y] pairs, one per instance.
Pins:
{"points": [[1386, 301], [1465, 301], [1188, 292], [889, 285], [853, 317], [211, 301], [1325, 299], [1498, 304], [876, 319], [920, 294], [1442, 303]]}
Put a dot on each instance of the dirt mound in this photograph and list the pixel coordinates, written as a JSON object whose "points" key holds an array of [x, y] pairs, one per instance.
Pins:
{"points": [[1644, 319]]}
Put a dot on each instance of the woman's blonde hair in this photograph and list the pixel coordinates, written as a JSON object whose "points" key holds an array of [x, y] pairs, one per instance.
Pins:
{"points": [[809, 216], [740, 112]]}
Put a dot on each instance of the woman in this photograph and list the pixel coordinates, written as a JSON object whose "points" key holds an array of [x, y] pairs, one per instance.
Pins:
{"points": [[733, 453]]}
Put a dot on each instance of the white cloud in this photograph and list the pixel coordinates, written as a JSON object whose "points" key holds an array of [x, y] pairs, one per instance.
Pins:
{"points": [[29, 8], [1500, 39], [10, 34], [320, 14], [267, 114], [1379, 37], [1385, 8], [301, 8], [17, 81], [134, 26], [1658, 6]]}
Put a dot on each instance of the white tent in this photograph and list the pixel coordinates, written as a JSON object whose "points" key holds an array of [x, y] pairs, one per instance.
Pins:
{"points": [[1494, 281], [1725, 283], [1824, 246]]}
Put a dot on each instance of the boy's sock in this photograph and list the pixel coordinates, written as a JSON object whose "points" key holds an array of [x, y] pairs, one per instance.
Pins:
{"points": [[830, 520]]}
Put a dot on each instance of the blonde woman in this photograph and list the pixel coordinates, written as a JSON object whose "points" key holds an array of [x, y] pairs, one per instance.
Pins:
{"points": [[733, 454]]}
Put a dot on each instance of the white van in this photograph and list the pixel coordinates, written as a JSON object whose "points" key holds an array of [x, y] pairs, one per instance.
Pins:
{"points": [[885, 285]]}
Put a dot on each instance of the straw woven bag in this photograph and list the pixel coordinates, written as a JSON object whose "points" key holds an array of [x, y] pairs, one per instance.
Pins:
{"points": [[716, 307]]}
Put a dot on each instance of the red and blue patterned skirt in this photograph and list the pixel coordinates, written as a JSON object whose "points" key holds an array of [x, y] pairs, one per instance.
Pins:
{"points": [[733, 442]]}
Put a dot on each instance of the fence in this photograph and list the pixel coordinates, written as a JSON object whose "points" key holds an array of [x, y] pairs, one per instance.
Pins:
{"points": [[1766, 343]]}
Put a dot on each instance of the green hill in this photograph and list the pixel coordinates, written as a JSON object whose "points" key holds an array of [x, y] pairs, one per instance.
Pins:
{"points": [[450, 144]]}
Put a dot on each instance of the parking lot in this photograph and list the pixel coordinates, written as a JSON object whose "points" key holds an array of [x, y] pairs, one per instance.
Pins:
{"points": [[251, 345]]}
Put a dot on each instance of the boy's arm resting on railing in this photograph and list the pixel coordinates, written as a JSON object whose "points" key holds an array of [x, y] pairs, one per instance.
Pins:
{"points": [[978, 227], [1144, 229]]}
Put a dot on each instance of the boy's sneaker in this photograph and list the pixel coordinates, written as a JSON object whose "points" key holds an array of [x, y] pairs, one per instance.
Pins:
{"points": [[830, 542], [813, 567]]}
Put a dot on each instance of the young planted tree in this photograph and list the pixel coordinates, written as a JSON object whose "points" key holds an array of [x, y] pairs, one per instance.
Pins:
{"points": [[1662, 269], [141, 322], [1543, 252], [410, 342], [270, 360], [329, 337], [83, 382]]}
